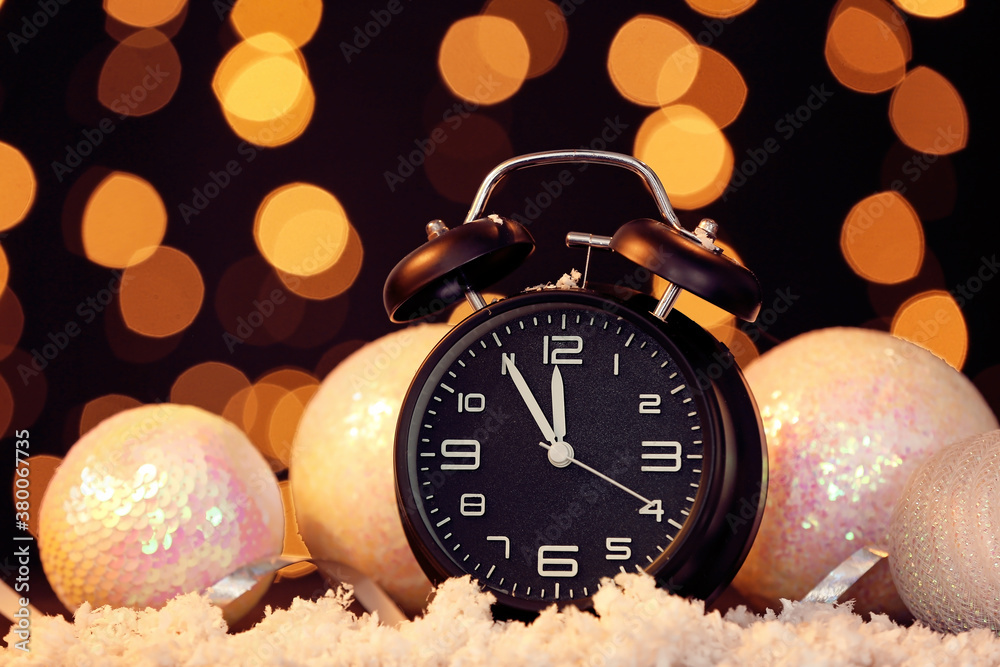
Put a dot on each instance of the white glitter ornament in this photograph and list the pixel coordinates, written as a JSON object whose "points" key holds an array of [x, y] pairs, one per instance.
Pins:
{"points": [[341, 470], [849, 414], [944, 541], [153, 502]]}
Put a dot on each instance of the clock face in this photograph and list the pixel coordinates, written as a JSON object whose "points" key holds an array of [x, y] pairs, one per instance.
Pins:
{"points": [[549, 443]]}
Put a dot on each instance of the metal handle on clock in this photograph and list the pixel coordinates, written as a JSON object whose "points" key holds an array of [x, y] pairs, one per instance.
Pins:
{"points": [[597, 157]]}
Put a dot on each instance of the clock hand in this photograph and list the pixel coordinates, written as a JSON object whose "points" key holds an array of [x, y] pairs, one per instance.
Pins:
{"points": [[529, 400], [561, 452], [558, 405]]}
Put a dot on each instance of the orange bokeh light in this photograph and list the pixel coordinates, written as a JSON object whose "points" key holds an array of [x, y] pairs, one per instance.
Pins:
{"points": [[934, 321], [867, 46], [144, 13], [123, 222], [720, 8], [162, 295], [882, 239], [264, 90], [4, 269], [208, 385], [6, 406], [99, 409], [544, 28], [140, 75], [652, 61], [718, 89], [932, 9], [484, 59], [688, 152], [928, 114], [17, 186], [334, 280], [301, 229], [295, 19]]}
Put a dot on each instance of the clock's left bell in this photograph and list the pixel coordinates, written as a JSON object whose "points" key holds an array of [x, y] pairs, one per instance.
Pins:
{"points": [[455, 263]]}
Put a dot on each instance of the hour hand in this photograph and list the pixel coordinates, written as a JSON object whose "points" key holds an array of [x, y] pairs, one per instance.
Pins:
{"points": [[529, 399]]}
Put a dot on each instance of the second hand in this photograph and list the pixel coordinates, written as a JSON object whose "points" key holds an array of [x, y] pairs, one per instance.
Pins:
{"points": [[601, 475]]}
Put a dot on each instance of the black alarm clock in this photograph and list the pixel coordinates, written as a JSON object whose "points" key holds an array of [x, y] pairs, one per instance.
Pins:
{"points": [[558, 437]]}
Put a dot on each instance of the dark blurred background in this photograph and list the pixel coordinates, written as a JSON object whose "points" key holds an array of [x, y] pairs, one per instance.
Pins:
{"points": [[806, 147]]}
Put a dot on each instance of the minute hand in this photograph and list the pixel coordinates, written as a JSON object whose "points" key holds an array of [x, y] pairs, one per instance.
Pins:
{"points": [[529, 400]]}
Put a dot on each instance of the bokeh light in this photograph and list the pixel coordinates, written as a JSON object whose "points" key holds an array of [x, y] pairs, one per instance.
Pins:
{"points": [[867, 46], [544, 28], [928, 114], [131, 346], [652, 61], [301, 229], [285, 420], [42, 467], [718, 89], [484, 59], [144, 13], [17, 186], [295, 19], [4, 269], [293, 544], [932, 9], [11, 322], [882, 238], [162, 295], [688, 152], [208, 385], [720, 8], [334, 280], [934, 321], [124, 221], [140, 75], [459, 165], [97, 410], [264, 90]]}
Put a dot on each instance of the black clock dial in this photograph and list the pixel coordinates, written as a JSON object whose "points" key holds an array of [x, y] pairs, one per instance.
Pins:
{"points": [[550, 442]]}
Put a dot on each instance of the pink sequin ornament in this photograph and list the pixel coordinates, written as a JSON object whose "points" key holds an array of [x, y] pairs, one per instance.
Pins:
{"points": [[944, 542], [341, 471], [153, 502], [849, 414]]}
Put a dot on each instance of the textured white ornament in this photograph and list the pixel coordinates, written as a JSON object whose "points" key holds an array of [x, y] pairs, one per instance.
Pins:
{"points": [[944, 541], [341, 471]]}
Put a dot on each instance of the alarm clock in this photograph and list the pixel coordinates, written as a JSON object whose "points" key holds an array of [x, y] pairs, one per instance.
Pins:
{"points": [[557, 437]]}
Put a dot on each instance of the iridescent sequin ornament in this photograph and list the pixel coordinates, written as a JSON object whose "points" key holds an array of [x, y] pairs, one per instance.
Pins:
{"points": [[341, 471], [153, 502], [944, 542], [848, 414]]}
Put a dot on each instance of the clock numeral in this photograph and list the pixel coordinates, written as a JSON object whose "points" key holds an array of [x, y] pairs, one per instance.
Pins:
{"points": [[471, 402], [554, 567], [558, 354], [472, 504], [654, 507], [671, 454], [649, 404], [501, 538], [618, 548], [460, 449]]}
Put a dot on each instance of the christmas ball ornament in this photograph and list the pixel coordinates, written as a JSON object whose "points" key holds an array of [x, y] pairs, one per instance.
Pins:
{"points": [[341, 469], [153, 502], [944, 539], [849, 414]]}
